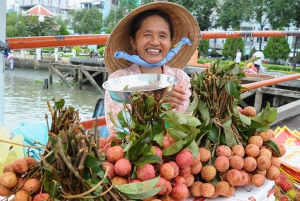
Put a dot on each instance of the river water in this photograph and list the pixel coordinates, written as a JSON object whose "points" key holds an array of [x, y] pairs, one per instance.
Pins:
{"points": [[25, 100]]}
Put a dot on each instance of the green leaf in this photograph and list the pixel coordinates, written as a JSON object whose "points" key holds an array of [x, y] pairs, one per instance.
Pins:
{"points": [[232, 90], [178, 145], [176, 134], [244, 119], [51, 185], [159, 138], [147, 194], [273, 146], [194, 148], [266, 116], [213, 135], [121, 119], [194, 103], [229, 136], [138, 188], [150, 158], [91, 161]]}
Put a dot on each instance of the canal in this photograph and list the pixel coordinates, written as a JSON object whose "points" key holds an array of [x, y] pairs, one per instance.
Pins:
{"points": [[25, 99]]}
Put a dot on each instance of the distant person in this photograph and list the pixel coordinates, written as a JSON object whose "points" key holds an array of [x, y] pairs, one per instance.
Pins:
{"points": [[238, 56], [10, 57], [252, 69], [258, 63]]}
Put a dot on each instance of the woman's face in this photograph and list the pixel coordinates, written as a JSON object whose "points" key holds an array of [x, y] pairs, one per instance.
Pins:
{"points": [[153, 40]]}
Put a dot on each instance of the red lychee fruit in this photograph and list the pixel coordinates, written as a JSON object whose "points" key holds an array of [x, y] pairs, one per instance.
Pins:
{"points": [[223, 150], [208, 172], [117, 180], [195, 189], [286, 185], [111, 172], [272, 173], [21, 196], [240, 110], [234, 177], [245, 176], [176, 168], [167, 171], [281, 148], [32, 185], [222, 163], [275, 161], [184, 172], [195, 169], [207, 190], [196, 159], [161, 182], [204, 154], [263, 163], [189, 180], [265, 152], [122, 167], [238, 150], [8, 179], [236, 162], [222, 187], [179, 180], [252, 150], [258, 180], [5, 191], [230, 192], [184, 158], [134, 181], [256, 139], [42, 197], [145, 172], [114, 153], [102, 142], [249, 111], [9, 168], [250, 164], [158, 151], [30, 161], [266, 135], [20, 166], [180, 192]]}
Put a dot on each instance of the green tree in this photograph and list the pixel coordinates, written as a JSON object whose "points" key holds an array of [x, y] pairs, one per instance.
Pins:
{"points": [[231, 45], [63, 30], [203, 11], [277, 48], [15, 25], [203, 47], [275, 12]]}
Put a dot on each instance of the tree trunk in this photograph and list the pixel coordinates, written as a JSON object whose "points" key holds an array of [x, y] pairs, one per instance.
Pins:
{"points": [[294, 56]]}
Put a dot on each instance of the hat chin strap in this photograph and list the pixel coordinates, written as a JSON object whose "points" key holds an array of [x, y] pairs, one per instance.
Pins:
{"points": [[137, 60]]}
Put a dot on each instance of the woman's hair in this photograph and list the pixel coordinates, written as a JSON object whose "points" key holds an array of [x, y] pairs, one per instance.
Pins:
{"points": [[137, 21]]}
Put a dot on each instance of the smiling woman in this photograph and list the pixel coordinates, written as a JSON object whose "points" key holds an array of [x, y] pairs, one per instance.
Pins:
{"points": [[152, 39]]}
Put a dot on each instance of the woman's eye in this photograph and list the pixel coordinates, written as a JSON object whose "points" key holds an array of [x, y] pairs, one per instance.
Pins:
{"points": [[147, 35], [163, 36]]}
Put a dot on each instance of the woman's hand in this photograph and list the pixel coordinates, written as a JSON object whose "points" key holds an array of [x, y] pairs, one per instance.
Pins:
{"points": [[178, 96]]}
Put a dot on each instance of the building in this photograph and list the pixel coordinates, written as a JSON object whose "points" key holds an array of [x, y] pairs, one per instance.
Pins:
{"points": [[54, 6]]}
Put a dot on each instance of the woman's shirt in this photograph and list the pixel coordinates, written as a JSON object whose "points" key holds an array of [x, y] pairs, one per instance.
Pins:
{"points": [[115, 108]]}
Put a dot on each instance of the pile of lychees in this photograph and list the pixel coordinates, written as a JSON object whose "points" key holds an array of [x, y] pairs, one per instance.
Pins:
{"points": [[182, 175], [14, 181], [285, 189]]}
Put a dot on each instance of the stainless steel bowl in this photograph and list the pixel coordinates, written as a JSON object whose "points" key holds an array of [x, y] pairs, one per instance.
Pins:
{"points": [[159, 85]]}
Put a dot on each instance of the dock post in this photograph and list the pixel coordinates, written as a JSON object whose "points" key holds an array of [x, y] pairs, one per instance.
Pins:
{"points": [[258, 101]]}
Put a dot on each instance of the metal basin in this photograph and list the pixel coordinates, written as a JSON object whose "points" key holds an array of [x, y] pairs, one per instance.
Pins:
{"points": [[158, 85]]}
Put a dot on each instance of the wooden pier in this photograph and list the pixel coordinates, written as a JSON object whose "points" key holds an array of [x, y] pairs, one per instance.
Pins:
{"points": [[89, 71]]}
